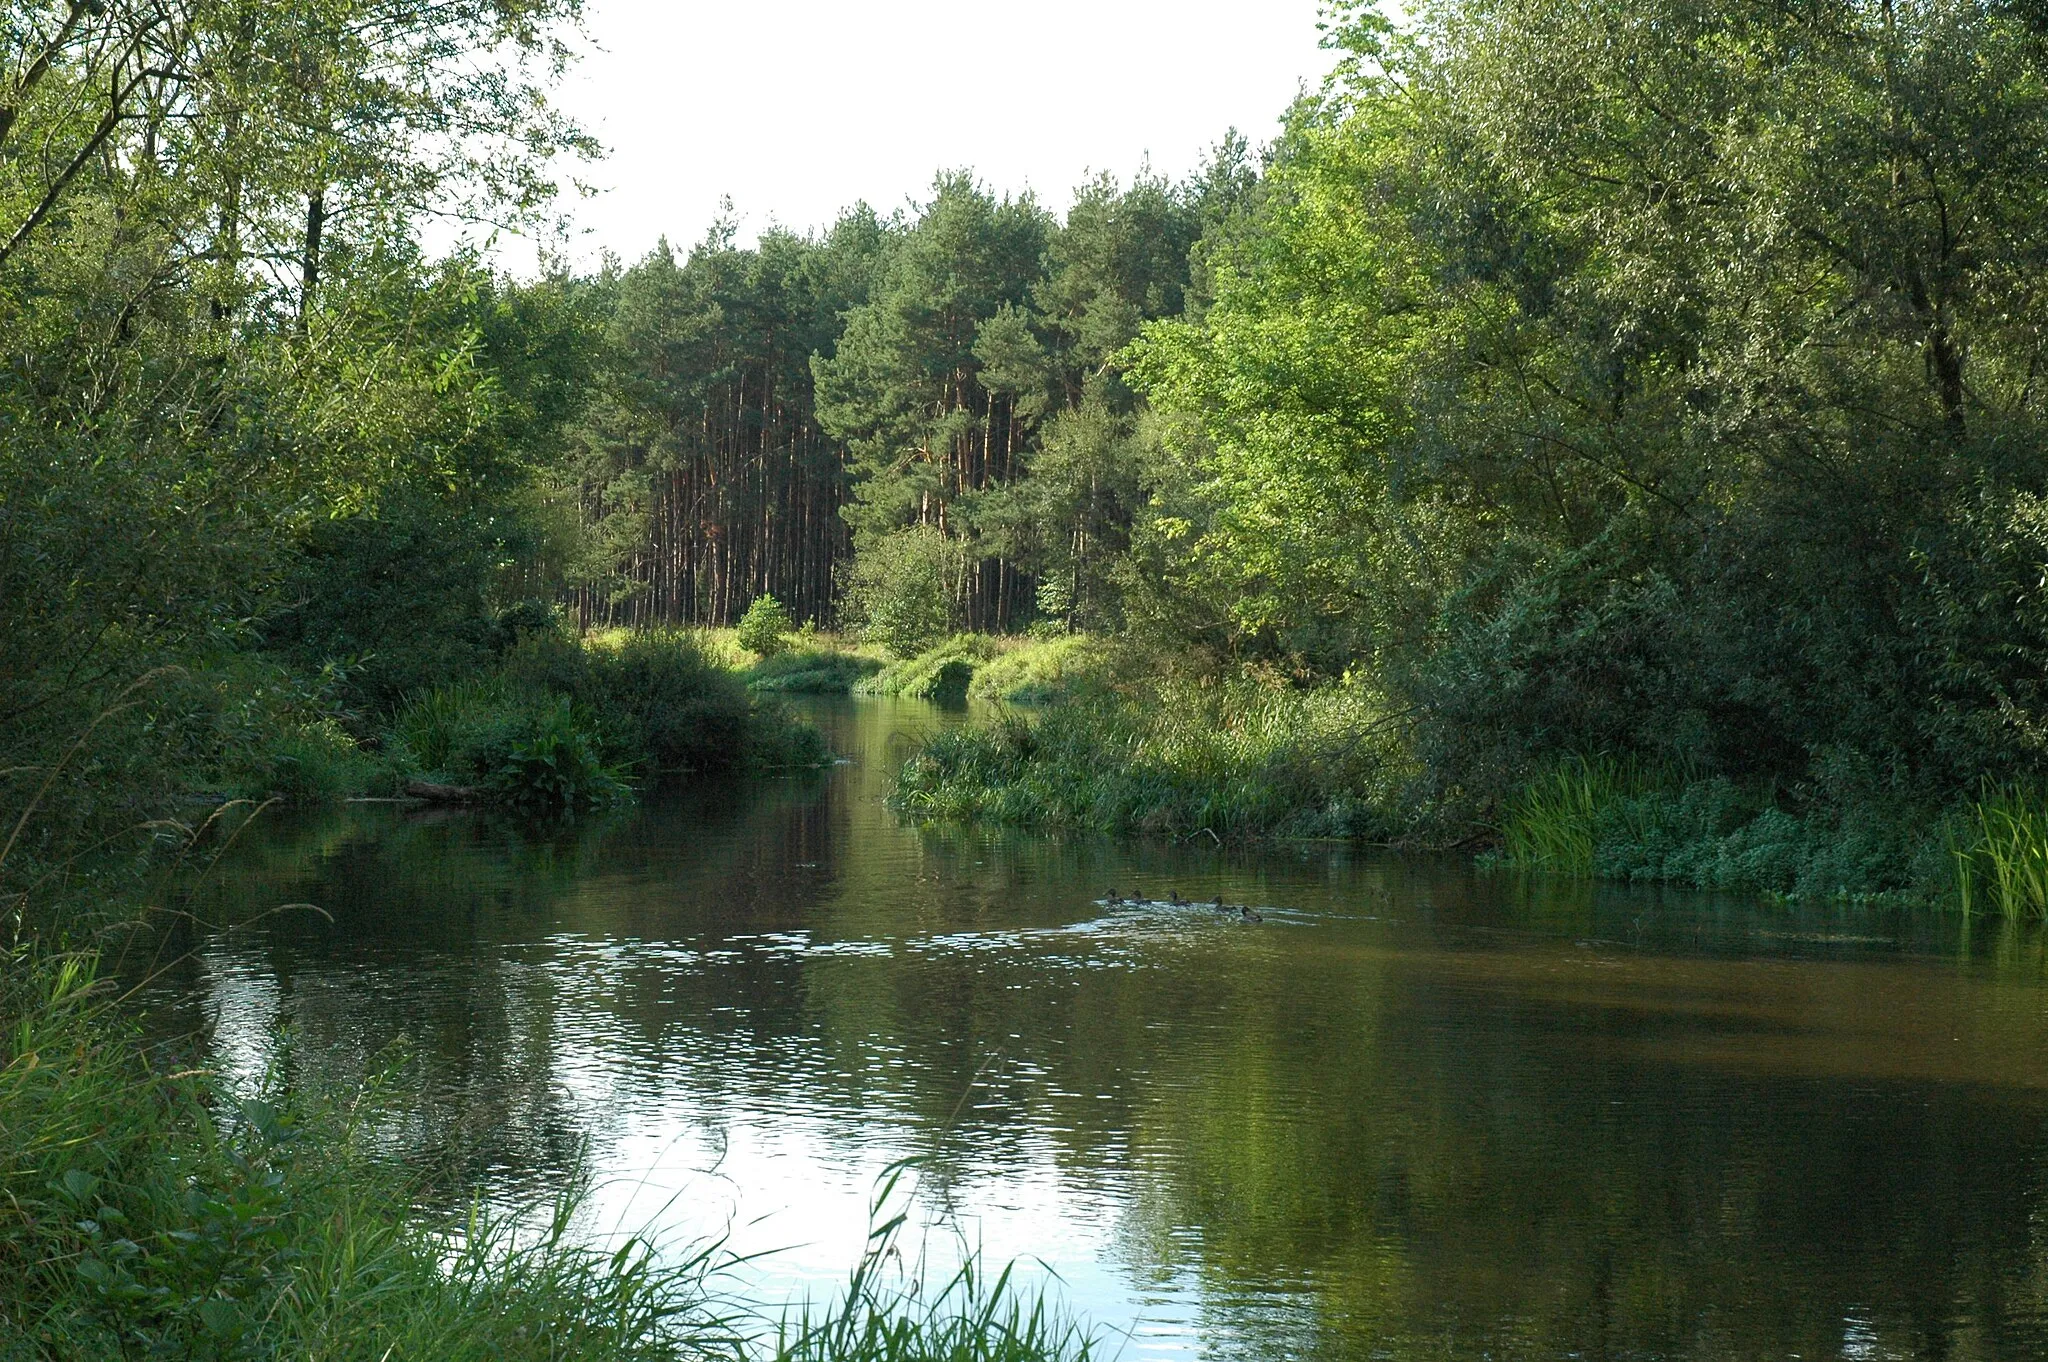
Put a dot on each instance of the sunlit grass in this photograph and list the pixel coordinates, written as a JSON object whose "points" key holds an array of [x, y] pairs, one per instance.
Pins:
{"points": [[1229, 761], [2001, 853]]}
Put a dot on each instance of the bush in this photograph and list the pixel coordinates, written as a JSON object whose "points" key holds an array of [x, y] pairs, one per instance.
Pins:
{"points": [[561, 722], [762, 628], [551, 767], [898, 590], [662, 700]]}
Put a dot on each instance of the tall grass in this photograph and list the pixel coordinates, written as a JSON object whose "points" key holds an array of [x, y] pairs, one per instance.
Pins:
{"points": [[1553, 823], [1231, 761], [971, 1317], [2001, 853], [154, 1213]]}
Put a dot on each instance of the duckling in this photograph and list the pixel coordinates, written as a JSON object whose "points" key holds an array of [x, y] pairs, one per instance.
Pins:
{"points": [[1250, 914], [1173, 897], [1219, 905]]}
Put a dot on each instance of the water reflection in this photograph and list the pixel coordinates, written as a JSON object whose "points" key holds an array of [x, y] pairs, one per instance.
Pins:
{"points": [[1416, 1113]]}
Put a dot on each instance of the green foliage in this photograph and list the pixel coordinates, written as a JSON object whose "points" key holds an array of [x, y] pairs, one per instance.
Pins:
{"points": [[2001, 853], [763, 627], [1620, 379], [1234, 761], [1042, 671], [555, 728], [942, 673], [1554, 823], [973, 1317], [550, 766], [1615, 819], [149, 1214], [811, 671], [899, 590]]}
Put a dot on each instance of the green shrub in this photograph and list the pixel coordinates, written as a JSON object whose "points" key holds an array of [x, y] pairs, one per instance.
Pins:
{"points": [[898, 590], [551, 766], [762, 628], [661, 699], [555, 728]]}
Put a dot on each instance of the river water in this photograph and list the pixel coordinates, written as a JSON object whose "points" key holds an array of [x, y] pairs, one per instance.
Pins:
{"points": [[1417, 1112]]}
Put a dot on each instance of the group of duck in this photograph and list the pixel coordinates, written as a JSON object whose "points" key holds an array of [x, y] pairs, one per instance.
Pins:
{"points": [[1243, 911]]}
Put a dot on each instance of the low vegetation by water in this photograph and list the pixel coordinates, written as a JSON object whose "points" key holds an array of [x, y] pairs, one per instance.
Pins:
{"points": [[151, 1211], [1174, 760]]}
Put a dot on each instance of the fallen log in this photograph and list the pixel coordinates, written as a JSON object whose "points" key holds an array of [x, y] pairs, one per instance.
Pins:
{"points": [[441, 794]]}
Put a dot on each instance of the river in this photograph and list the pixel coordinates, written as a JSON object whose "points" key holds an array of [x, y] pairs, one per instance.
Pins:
{"points": [[1417, 1111]]}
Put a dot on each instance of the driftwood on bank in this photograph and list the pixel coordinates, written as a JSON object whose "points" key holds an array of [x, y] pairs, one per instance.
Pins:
{"points": [[441, 794]]}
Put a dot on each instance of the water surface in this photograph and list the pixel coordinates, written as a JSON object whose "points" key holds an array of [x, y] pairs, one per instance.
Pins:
{"points": [[1417, 1112]]}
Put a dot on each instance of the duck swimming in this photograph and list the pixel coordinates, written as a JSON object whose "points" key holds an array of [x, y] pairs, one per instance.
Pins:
{"points": [[1250, 914]]}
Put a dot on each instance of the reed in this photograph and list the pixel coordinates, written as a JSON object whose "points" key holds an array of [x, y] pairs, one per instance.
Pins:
{"points": [[972, 1317], [2001, 853], [1553, 823]]}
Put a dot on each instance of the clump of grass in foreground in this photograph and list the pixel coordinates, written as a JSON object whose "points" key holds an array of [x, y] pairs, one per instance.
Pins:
{"points": [[973, 1317], [154, 1214], [2001, 854], [1554, 822], [1237, 760]]}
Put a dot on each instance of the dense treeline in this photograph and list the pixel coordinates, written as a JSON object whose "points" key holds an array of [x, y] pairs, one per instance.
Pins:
{"points": [[1639, 405], [1646, 379], [939, 390], [1659, 385]]}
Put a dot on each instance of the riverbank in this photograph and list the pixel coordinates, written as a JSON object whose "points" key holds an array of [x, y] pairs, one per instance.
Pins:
{"points": [[147, 1208], [555, 724], [1127, 749]]}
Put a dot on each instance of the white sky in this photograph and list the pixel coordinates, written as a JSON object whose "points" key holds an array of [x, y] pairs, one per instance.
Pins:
{"points": [[797, 108]]}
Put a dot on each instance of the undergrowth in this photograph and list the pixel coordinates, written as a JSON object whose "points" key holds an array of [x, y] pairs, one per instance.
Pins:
{"points": [[155, 1214], [1231, 761], [1598, 817]]}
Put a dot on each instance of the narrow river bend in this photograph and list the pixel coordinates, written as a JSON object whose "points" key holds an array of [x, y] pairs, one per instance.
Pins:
{"points": [[1418, 1112]]}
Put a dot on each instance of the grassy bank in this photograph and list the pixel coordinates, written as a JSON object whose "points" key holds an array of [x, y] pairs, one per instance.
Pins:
{"points": [[555, 724], [146, 1211], [1601, 818], [1247, 759], [1230, 761]]}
